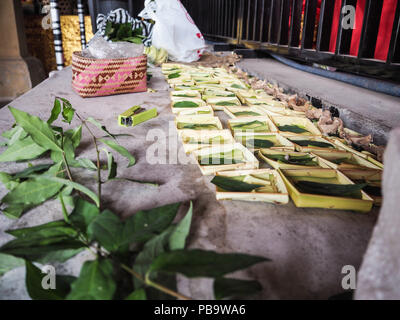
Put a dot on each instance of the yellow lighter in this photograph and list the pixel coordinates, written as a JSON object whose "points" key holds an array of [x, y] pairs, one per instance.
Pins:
{"points": [[135, 115]]}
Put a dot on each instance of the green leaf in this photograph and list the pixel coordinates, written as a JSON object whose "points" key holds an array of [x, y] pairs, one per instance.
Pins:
{"points": [[75, 135], [186, 104], [74, 185], [69, 151], [138, 294], [34, 278], [31, 170], [9, 133], [230, 184], [107, 229], [8, 180], [55, 112], [38, 242], [151, 250], [83, 163], [25, 149], [100, 126], [201, 263], [14, 211], [32, 192], [83, 214], [18, 135], [39, 130], [58, 255], [8, 262], [95, 282], [68, 112], [121, 150], [181, 231], [147, 223], [233, 288], [111, 164], [50, 229]]}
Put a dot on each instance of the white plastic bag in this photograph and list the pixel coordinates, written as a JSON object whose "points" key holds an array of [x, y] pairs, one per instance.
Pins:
{"points": [[174, 30]]}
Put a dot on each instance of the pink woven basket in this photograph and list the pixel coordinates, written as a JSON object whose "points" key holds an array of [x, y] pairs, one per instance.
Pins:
{"points": [[103, 77]]}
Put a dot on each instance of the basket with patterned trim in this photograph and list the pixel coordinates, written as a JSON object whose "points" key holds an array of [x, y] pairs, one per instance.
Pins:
{"points": [[103, 77]]}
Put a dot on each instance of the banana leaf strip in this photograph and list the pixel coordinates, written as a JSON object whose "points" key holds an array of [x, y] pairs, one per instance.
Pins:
{"points": [[174, 75], [329, 189], [246, 113], [196, 126], [259, 143], [225, 103], [230, 184], [292, 128], [310, 143], [185, 104], [289, 159]]}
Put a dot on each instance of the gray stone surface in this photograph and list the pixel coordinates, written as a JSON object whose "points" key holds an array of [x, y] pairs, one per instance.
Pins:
{"points": [[379, 276], [362, 110], [308, 247]]}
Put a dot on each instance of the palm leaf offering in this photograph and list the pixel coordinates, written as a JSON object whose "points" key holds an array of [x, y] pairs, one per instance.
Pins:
{"points": [[197, 126], [311, 143], [330, 189], [229, 157], [185, 104], [246, 113], [303, 160], [255, 125], [293, 128]]}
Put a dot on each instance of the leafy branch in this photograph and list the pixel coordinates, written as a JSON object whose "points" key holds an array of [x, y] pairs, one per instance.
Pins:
{"points": [[138, 258]]}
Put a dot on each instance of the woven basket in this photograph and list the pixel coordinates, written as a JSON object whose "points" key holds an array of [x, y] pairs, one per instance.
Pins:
{"points": [[103, 77]]}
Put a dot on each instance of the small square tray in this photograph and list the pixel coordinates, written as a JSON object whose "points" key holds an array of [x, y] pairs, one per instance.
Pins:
{"points": [[306, 200], [199, 119], [203, 135], [302, 121], [198, 101], [322, 152], [271, 125], [285, 144], [204, 110], [275, 164], [251, 161], [281, 197], [231, 112]]}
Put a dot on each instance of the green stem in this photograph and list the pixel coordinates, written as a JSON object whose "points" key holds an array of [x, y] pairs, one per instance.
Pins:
{"points": [[157, 286], [99, 182], [67, 166]]}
